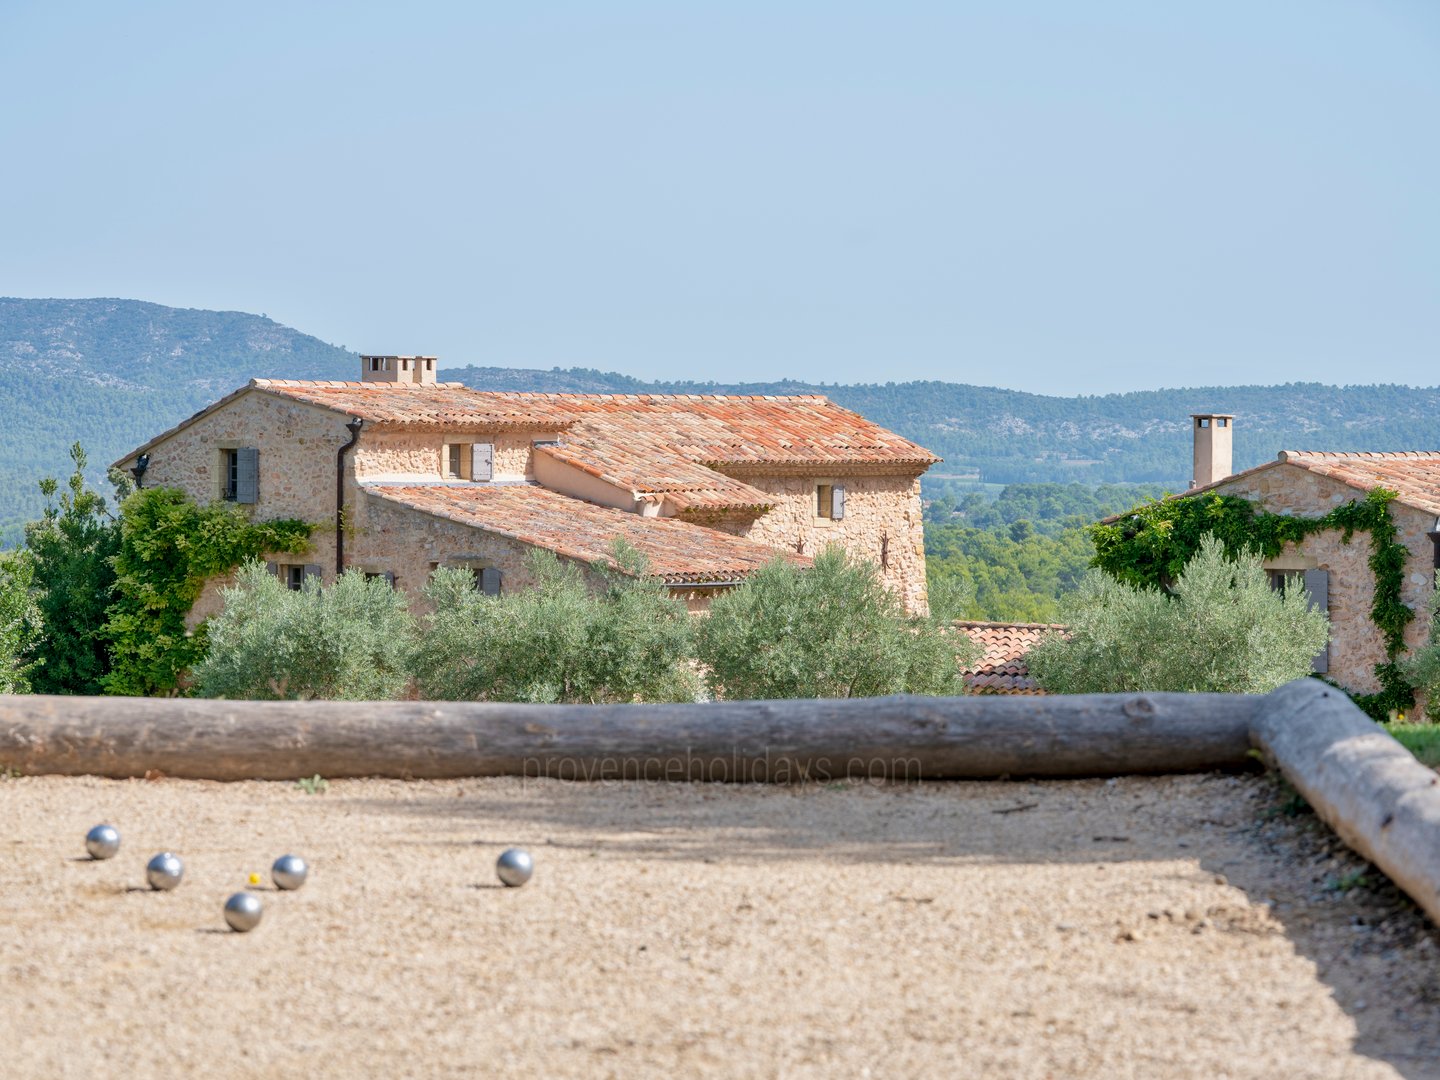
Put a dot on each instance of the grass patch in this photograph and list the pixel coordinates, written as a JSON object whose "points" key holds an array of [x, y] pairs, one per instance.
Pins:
{"points": [[1422, 740]]}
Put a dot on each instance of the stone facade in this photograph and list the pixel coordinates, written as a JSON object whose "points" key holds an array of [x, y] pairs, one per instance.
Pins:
{"points": [[297, 443], [1356, 646], [882, 523]]}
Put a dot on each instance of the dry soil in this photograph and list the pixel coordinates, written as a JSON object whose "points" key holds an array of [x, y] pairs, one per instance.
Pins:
{"points": [[1182, 927]]}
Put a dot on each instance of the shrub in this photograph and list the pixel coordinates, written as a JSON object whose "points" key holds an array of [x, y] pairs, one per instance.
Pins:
{"points": [[1423, 667], [19, 624], [831, 631], [168, 548], [560, 641], [1223, 629], [347, 641], [70, 551]]}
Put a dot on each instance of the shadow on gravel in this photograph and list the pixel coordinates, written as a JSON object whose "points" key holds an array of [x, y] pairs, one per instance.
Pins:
{"points": [[1376, 951]]}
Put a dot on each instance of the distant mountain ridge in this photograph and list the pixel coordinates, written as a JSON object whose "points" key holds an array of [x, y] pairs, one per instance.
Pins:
{"points": [[112, 373], [1010, 436]]}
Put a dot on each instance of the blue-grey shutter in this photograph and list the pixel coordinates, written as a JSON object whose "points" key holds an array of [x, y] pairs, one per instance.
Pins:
{"points": [[837, 503], [312, 570], [482, 461], [247, 475], [389, 577], [273, 567], [490, 581], [1317, 591]]}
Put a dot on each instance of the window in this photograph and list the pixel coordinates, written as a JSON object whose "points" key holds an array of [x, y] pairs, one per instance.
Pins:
{"points": [[240, 475], [829, 501], [380, 575], [487, 578], [469, 461], [294, 575], [1316, 586], [378, 363]]}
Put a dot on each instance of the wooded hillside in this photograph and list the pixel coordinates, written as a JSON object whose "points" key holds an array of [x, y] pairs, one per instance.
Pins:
{"points": [[112, 373]]}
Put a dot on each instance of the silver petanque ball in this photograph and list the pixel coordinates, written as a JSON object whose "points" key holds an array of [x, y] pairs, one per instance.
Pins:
{"points": [[164, 871], [102, 842], [289, 872], [243, 911], [514, 867]]}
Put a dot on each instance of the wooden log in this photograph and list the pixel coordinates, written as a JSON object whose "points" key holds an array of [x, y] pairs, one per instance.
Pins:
{"points": [[903, 738], [1364, 784]]}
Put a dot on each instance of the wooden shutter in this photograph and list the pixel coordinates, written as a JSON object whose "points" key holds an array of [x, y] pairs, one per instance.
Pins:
{"points": [[247, 475], [837, 503], [824, 500], [273, 567], [312, 570], [490, 581], [389, 577], [1317, 591], [482, 461]]}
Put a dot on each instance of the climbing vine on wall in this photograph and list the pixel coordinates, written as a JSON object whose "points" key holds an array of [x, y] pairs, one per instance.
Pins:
{"points": [[1151, 545], [169, 547]]}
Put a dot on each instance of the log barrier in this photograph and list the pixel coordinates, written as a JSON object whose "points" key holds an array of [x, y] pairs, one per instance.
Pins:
{"points": [[1377, 797]]}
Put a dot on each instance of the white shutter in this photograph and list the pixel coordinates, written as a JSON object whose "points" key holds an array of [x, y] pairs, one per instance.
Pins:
{"points": [[482, 461], [247, 475], [837, 503], [1317, 591]]}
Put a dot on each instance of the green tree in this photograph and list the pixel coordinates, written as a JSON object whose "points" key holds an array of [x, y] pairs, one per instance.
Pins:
{"points": [[831, 631], [350, 641], [560, 641], [169, 547], [1423, 666], [70, 551], [20, 624], [1223, 628]]}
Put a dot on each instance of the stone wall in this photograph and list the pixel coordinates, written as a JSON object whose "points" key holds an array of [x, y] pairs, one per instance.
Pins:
{"points": [[420, 455], [882, 523], [298, 443], [1356, 645], [297, 446], [410, 544]]}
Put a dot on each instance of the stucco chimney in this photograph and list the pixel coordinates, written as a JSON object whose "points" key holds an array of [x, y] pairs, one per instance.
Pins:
{"points": [[1213, 458], [398, 369]]}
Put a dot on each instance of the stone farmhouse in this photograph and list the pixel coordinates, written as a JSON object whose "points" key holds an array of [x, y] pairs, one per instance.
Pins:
{"points": [[409, 474], [1336, 575]]}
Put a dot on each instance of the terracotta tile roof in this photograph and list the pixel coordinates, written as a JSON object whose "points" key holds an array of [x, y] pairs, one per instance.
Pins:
{"points": [[1002, 669], [641, 461], [701, 428], [679, 446], [1413, 474], [648, 443], [411, 405], [679, 552]]}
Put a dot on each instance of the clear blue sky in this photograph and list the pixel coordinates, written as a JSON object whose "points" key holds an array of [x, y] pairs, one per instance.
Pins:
{"points": [[1061, 197]]}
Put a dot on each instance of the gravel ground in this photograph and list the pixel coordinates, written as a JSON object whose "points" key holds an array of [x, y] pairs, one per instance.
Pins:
{"points": [[1178, 927]]}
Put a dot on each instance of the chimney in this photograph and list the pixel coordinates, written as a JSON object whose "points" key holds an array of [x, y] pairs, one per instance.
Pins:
{"points": [[419, 370], [1213, 433]]}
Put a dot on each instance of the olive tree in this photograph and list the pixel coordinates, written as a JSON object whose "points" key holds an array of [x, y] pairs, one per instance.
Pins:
{"points": [[622, 638], [1423, 666], [1222, 627], [351, 640], [832, 630], [20, 623]]}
